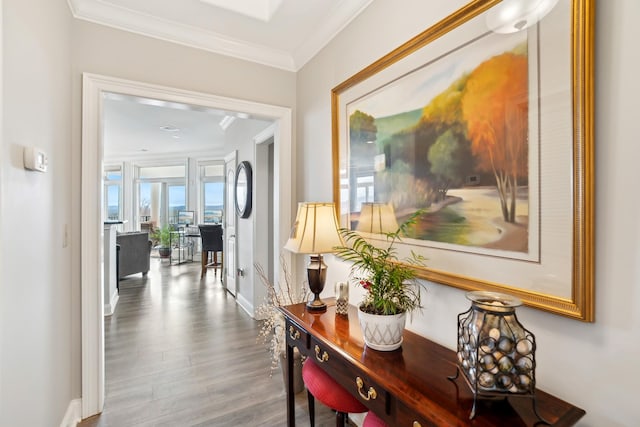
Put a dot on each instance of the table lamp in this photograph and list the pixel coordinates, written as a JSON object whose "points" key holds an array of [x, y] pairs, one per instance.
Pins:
{"points": [[315, 232], [377, 218]]}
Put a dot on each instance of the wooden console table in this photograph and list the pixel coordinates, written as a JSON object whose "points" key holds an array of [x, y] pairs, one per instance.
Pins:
{"points": [[409, 386]]}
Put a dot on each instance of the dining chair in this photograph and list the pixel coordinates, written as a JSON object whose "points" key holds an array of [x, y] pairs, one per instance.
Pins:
{"points": [[211, 238]]}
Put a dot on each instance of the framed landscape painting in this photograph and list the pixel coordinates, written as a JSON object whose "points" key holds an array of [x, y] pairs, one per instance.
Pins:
{"points": [[486, 125]]}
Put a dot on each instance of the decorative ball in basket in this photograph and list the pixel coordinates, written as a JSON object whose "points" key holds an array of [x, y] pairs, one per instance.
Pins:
{"points": [[496, 354]]}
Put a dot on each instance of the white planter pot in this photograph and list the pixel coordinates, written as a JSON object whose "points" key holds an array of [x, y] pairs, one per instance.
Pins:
{"points": [[382, 332]]}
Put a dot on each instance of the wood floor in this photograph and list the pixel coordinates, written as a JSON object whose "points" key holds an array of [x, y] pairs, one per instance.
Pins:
{"points": [[180, 352]]}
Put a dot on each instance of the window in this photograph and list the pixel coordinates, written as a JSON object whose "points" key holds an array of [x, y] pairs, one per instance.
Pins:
{"points": [[113, 209], [162, 193], [144, 201], [177, 201], [212, 195]]}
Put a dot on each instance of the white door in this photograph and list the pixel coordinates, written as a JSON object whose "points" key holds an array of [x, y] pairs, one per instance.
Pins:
{"points": [[230, 251]]}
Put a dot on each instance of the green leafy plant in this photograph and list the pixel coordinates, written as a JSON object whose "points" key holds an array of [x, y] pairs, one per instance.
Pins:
{"points": [[390, 282], [163, 236]]}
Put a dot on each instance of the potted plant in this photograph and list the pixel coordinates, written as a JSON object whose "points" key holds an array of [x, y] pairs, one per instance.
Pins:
{"points": [[163, 236], [391, 287], [272, 329]]}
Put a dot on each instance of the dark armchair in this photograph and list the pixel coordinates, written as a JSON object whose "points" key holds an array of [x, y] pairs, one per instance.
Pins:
{"points": [[134, 253]]}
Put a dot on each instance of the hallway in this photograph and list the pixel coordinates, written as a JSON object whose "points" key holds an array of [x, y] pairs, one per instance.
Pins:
{"points": [[180, 352]]}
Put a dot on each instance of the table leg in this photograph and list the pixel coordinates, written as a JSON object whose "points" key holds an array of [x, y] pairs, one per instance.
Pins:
{"points": [[291, 409]]}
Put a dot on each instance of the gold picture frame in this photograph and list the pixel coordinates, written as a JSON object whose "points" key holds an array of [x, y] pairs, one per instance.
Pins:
{"points": [[555, 270]]}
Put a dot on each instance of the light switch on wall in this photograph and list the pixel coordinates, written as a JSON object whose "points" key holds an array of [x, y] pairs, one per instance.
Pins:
{"points": [[35, 159]]}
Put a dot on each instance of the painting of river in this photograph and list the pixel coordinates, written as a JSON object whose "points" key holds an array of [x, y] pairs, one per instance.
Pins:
{"points": [[473, 218], [451, 138]]}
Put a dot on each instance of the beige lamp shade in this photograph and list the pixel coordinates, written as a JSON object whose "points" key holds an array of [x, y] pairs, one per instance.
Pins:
{"points": [[315, 230], [377, 218]]}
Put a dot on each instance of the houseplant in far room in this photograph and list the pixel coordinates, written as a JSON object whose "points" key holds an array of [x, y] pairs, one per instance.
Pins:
{"points": [[163, 236], [272, 328], [391, 287]]}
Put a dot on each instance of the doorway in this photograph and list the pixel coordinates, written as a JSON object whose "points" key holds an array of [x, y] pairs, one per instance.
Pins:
{"points": [[94, 89], [265, 245]]}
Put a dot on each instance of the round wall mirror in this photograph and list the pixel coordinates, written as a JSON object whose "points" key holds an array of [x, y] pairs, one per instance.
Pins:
{"points": [[243, 189]]}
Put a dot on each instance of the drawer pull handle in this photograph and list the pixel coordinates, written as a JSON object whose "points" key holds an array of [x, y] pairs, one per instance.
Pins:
{"points": [[416, 424], [294, 334], [371, 393], [324, 357]]}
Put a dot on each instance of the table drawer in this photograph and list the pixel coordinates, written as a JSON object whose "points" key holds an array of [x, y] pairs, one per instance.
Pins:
{"points": [[371, 394], [297, 337], [407, 417]]}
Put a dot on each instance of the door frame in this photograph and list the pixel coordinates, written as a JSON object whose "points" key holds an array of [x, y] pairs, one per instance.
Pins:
{"points": [[228, 274], [93, 87], [264, 244]]}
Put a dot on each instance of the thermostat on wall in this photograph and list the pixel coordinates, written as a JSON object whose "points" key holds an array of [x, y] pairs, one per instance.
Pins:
{"points": [[35, 159]]}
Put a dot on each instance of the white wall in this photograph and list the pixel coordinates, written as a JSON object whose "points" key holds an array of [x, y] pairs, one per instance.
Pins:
{"points": [[35, 294], [2, 156], [107, 51], [593, 366], [250, 292]]}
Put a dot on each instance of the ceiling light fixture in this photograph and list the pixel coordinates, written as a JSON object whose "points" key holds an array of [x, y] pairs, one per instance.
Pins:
{"points": [[226, 122], [178, 106], [114, 96], [151, 102], [511, 16]]}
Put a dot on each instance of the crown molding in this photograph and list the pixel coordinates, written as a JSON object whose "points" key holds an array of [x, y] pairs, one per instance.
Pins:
{"points": [[148, 25], [339, 18], [126, 19]]}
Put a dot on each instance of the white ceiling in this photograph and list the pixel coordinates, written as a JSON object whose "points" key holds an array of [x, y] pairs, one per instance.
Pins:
{"points": [[279, 33], [136, 128]]}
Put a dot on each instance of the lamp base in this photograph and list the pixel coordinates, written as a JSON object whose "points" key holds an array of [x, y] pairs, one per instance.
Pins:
{"points": [[316, 274], [316, 305]]}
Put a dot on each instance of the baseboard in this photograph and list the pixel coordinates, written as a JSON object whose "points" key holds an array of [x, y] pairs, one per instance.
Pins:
{"points": [[245, 304], [73, 415], [110, 308]]}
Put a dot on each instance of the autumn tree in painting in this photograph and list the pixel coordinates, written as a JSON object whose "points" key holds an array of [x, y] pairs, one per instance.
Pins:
{"points": [[495, 108], [449, 155], [444, 109], [436, 149]]}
